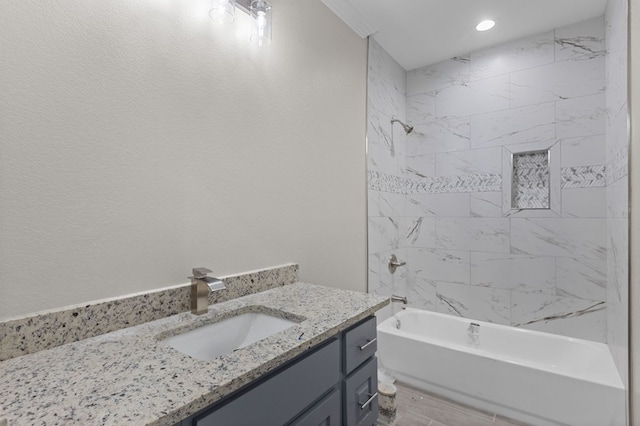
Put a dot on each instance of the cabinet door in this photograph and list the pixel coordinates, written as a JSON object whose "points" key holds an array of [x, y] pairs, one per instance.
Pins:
{"points": [[283, 396], [326, 413], [361, 395]]}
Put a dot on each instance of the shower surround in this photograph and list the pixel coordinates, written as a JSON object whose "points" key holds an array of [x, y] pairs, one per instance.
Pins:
{"points": [[436, 195]]}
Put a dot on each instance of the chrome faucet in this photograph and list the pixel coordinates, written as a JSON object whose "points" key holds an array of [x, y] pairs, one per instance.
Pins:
{"points": [[395, 298], [201, 286]]}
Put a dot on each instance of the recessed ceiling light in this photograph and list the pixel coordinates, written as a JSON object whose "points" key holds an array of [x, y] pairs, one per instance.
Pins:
{"points": [[485, 25]]}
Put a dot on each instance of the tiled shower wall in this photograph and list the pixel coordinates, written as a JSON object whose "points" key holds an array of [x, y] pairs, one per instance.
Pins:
{"points": [[443, 210], [386, 156], [617, 188]]}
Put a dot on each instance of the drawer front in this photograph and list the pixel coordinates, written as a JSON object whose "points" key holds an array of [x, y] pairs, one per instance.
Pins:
{"points": [[361, 400], [326, 413], [360, 344], [284, 396]]}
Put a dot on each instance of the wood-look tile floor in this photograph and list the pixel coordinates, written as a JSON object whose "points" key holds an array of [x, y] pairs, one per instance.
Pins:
{"points": [[418, 408]]}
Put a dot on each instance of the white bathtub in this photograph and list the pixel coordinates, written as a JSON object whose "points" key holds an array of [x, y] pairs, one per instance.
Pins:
{"points": [[537, 378]]}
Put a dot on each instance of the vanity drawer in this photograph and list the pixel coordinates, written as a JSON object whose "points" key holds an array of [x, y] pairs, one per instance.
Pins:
{"points": [[361, 395], [283, 396], [360, 344]]}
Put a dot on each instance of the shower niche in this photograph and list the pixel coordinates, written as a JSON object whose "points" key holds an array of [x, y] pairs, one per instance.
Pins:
{"points": [[531, 180]]}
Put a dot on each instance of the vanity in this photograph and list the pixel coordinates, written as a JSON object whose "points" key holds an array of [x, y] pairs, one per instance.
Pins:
{"points": [[333, 384], [321, 370]]}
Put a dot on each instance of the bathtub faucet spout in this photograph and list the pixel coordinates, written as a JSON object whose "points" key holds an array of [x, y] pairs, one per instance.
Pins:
{"points": [[395, 298]]}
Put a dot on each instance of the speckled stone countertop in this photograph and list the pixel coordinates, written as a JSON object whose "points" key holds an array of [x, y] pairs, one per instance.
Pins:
{"points": [[132, 377]]}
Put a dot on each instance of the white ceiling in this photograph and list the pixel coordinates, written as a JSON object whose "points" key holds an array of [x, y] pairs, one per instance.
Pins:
{"points": [[422, 32]]}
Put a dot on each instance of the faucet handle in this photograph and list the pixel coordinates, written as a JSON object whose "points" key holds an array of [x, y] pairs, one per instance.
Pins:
{"points": [[200, 273]]}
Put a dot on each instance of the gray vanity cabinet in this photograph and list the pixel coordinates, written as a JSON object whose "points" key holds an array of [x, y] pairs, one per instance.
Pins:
{"points": [[333, 384]]}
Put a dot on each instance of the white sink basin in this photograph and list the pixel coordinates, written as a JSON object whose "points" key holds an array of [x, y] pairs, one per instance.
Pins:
{"points": [[220, 338]]}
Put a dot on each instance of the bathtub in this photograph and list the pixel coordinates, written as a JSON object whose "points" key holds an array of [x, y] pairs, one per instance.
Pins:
{"points": [[537, 378]]}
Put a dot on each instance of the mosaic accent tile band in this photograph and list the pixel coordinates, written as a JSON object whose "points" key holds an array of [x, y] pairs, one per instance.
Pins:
{"points": [[572, 177], [485, 182], [48, 330], [584, 177]]}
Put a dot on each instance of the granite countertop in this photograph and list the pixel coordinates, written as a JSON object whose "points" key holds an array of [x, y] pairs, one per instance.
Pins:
{"points": [[130, 376]]}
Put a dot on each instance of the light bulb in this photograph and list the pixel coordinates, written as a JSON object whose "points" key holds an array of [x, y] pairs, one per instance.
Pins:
{"points": [[261, 14], [485, 25], [223, 11]]}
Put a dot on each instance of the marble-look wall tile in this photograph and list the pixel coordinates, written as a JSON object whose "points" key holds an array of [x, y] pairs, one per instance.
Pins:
{"points": [[582, 278], [557, 81], [382, 159], [527, 274], [486, 204], [518, 55], [440, 205], [590, 326], [617, 48], [531, 308], [385, 204], [585, 238], [419, 232], [421, 108], [439, 265], [383, 65], [455, 71], [476, 161], [384, 233], [442, 135], [584, 116], [473, 302], [617, 166], [386, 83], [584, 202], [475, 234], [617, 131], [513, 126], [420, 166], [618, 294], [421, 293], [617, 266], [618, 199], [378, 128], [476, 97], [583, 151], [581, 40], [373, 273]]}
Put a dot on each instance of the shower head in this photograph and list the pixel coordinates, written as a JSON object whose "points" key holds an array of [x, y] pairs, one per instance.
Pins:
{"points": [[407, 128]]}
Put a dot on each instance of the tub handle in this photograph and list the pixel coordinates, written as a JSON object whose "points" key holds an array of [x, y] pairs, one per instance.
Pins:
{"points": [[369, 343], [394, 263], [371, 398]]}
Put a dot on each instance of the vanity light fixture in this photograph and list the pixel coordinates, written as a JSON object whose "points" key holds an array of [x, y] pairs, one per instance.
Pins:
{"points": [[222, 11], [485, 25]]}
